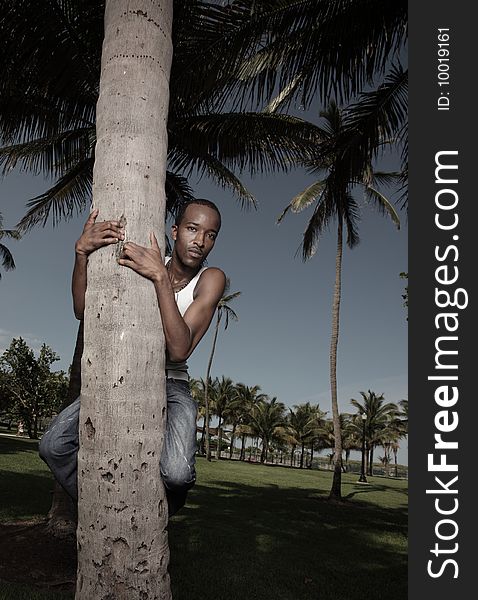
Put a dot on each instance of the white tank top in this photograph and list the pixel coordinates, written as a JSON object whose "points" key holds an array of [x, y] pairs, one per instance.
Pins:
{"points": [[184, 299]]}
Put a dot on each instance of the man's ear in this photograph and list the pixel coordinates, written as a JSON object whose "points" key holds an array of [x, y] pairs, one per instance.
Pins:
{"points": [[174, 232]]}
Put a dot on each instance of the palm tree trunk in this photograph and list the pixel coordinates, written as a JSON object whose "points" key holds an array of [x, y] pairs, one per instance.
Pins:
{"points": [[206, 388], [242, 455], [292, 456], [395, 461], [336, 490], [203, 434], [122, 510], [219, 439], [263, 451], [311, 455], [231, 450], [371, 460], [302, 450]]}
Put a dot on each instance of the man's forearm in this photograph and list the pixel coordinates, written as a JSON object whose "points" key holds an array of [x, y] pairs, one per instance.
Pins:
{"points": [[78, 284], [176, 332]]}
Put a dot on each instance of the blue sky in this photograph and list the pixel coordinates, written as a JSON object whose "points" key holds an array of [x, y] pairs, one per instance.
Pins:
{"points": [[281, 341]]}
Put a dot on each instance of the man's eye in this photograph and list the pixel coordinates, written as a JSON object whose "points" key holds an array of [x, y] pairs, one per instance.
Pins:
{"points": [[212, 236], [191, 228]]}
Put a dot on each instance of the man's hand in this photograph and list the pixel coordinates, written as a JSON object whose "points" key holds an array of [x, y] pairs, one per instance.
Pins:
{"points": [[148, 262], [96, 235]]}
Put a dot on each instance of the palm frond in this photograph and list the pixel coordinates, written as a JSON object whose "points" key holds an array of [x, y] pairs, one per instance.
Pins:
{"points": [[7, 259], [208, 165], [178, 192], [339, 45], [285, 96], [304, 199], [230, 297], [377, 115], [351, 217], [259, 142], [52, 155], [318, 223], [229, 313], [70, 193], [382, 203]]}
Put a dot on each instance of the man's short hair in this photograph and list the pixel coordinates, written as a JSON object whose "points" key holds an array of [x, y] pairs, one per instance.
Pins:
{"points": [[201, 202]]}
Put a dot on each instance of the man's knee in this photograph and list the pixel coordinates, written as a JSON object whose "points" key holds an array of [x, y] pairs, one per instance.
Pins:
{"points": [[46, 449], [179, 480]]}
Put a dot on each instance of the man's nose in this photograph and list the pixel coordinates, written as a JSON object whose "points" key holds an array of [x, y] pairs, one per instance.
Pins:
{"points": [[199, 239]]}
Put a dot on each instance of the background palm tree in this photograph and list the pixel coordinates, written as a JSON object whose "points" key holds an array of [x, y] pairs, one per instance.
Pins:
{"points": [[268, 420], [338, 156], [302, 426], [224, 394], [226, 312], [234, 415], [200, 397], [247, 397], [5, 255], [321, 50], [378, 425]]}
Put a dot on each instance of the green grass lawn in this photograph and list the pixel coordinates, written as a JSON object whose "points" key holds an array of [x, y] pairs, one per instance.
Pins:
{"points": [[255, 532]]}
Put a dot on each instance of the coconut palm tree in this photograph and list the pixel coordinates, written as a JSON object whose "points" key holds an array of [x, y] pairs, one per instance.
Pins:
{"points": [[226, 312], [268, 421], [301, 424], [5, 255], [122, 508], [338, 157], [224, 395], [322, 50], [247, 397], [206, 415], [378, 425], [399, 430], [233, 415], [316, 425]]}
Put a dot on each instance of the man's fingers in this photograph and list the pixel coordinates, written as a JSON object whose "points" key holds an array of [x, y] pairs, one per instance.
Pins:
{"points": [[113, 232], [92, 216], [154, 242], [110, 225], [125, 262]]}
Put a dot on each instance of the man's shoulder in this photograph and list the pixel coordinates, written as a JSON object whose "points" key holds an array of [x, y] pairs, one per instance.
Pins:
{"points": [[212, 281], [213, 275]]}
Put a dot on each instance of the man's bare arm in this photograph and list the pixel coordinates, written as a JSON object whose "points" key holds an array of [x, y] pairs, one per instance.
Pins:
{"points": [[182, 334]]}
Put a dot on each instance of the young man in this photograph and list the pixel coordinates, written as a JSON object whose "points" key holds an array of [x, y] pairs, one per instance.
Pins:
{"points": [[187, 295]]}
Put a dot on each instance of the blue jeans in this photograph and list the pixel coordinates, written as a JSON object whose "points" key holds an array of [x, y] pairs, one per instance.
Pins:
{"points": [[59, 446]]}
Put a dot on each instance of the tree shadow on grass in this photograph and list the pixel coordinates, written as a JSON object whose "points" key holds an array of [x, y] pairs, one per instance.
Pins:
{"points": [[14, 445], [286, 543], [374, 487], [266, 542], [23, 495]]}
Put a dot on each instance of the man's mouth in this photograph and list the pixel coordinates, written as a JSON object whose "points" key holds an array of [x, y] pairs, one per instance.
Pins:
{"points": [[195, 252]]}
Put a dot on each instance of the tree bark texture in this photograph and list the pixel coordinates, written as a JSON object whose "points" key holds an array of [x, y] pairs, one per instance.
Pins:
{"points": [[336, 490], [122, 540]]}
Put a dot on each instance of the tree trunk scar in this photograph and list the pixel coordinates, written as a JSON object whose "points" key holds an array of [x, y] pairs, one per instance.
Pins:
{"points": [[90, 430]]}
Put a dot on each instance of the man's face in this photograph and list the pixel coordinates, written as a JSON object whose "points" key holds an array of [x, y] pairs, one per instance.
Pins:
{"points": [[196, 235]]}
